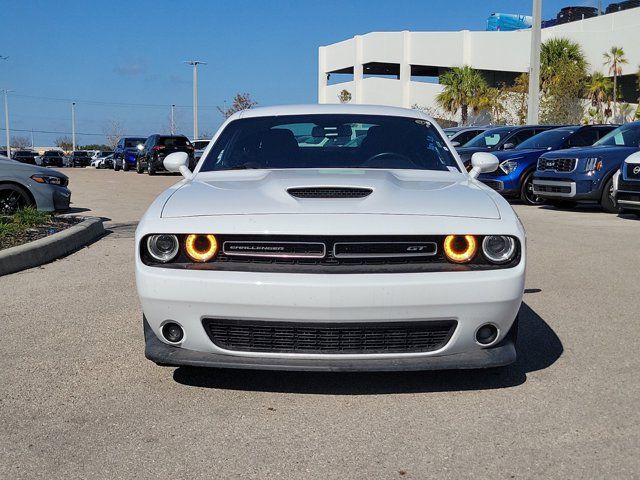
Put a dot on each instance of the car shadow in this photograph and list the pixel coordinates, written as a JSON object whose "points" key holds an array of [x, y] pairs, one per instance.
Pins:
{"points": [[121, 230], [538, 348]]}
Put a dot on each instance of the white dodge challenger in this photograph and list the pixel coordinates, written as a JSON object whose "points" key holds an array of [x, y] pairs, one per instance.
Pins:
{"points": [[330, 237]]}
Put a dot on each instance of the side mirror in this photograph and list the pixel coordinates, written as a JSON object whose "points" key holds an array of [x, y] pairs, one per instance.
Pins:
{"points": [[455, 144], [482, 162], [178, 162], [508, 146]]}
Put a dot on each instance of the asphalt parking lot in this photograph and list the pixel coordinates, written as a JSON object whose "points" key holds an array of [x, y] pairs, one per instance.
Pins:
{"points": [[79, 400]]}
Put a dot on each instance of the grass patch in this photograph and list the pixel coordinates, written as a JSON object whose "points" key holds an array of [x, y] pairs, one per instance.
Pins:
{"points": [[22, 220]]}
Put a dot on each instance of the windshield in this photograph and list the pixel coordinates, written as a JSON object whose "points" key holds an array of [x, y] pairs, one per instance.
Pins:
{"points": [[80, 154], [624, 136], [488, 139], [548, 139], [134, 142], [283, 142]]}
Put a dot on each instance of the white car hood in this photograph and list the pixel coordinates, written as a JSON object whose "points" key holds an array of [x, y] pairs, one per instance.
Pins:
{"points": [[395, 192]]}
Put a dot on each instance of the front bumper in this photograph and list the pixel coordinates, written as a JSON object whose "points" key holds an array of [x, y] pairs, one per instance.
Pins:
{"points": [[471, 298], [169, 356], [627, 194], [578, 186]]}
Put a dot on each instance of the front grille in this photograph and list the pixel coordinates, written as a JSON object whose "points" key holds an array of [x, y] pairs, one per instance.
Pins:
{"points": [[495, 184], [329, 192], [628, 197], [328, 338], [629, 184], [330, 251], [552, 188], [557, 164], [633, 171]]}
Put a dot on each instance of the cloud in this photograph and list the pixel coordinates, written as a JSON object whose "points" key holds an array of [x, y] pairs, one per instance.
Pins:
{"points": [[131, 68]]}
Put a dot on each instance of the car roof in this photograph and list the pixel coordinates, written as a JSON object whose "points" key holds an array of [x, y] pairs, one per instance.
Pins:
{"points": [[328, 109]]}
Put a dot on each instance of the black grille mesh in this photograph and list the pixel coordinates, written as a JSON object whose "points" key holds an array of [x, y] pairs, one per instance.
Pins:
{"points": [[328, 338], [557, 164], [329, 192]]}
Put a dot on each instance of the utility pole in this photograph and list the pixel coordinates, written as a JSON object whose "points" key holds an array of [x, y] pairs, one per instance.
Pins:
{"points": [[73, 125], [6, 121], [533, 109], [173, 121], [195, 64], [32, 138]]}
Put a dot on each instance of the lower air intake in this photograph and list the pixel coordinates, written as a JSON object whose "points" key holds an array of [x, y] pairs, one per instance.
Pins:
{"points": [[328, 338], [329, 192]]}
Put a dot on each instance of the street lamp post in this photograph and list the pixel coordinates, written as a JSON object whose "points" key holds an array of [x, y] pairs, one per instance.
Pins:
{"points": [[73, 125], [195, 64], [534, 69], [173, 120], [6, 122]]}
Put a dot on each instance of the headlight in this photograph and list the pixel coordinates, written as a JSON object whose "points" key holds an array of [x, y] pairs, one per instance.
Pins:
{"points": [[201, 248], [498, 248], [460, 248], [163, 248], [508, 166], [53, 180], [593, 164]]}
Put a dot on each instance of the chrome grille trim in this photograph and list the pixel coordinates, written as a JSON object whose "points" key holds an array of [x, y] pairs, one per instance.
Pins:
{"points": [[268, 254], [433, 250]]}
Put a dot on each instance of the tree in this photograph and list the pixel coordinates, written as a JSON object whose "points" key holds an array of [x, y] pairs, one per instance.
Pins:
{"points": [[493, 99], [65, 143], [242, 101], [344, 96], [520, 88], [556, 53], [463, 88], [563, 73], [599, 90], [112, 132], [614, 59], [20, 142]]}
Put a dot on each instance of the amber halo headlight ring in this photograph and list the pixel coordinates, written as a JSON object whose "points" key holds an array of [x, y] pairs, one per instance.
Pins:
{"points": [[460, 248], [200, 247], [163, 247], [498, 249]]}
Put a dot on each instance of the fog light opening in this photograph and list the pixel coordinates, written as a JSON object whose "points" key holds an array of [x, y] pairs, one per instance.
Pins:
{"points": [[172, 332], [486, 334]]}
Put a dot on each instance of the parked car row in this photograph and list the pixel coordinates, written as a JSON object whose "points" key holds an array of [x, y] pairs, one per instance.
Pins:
{"points": [[559, 165], [147, 154]]}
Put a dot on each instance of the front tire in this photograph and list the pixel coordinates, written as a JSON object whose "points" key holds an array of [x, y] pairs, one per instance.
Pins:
{"points": [[13, 198], [526, 192], [125, 165], [139, 168], [116, 167], [607, 202]]}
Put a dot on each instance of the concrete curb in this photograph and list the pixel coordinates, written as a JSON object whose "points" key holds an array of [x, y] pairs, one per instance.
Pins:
{"points": [[48, 249]]}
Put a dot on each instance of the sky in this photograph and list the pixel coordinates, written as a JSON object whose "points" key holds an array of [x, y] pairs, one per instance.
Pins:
{"points": [[122, 61]]}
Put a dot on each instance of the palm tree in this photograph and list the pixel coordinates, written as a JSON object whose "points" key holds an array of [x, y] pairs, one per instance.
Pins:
{"points": [[463, 89], [614, 59], [556, 53], [599, 90]]}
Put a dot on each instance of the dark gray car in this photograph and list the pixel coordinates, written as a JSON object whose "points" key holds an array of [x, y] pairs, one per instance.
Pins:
{"points": [[23, 185]]}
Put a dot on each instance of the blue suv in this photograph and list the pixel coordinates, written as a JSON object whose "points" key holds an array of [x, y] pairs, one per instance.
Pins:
{"points": [[566, 177], [514, 176], [126, 152]]}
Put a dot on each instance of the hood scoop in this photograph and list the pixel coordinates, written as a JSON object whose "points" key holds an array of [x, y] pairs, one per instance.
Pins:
{"points": [[329, 192]]}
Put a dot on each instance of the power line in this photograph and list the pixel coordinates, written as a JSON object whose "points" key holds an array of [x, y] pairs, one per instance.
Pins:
{"points": [[65, 133], [112, 104]]}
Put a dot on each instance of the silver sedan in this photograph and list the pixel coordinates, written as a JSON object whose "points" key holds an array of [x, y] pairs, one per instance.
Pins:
{"points": [[23, 185]]}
